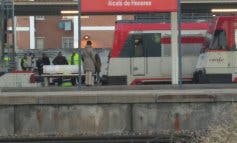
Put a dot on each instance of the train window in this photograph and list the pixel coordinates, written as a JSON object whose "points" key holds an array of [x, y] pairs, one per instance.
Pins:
{"points": [[138, 46], [219, 40], [127, 49], [142, 45], [152, 44]]}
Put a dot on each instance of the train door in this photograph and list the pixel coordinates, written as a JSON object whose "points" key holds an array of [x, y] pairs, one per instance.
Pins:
{"points": [[152, 44], [147, 48], [138, 60]]}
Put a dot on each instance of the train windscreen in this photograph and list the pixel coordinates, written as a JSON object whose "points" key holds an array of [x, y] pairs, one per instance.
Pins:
{"points": [[219, 40]]}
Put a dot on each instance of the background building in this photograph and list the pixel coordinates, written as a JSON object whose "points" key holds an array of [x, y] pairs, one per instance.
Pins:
{"points": [[60, 32], [50, 34]]}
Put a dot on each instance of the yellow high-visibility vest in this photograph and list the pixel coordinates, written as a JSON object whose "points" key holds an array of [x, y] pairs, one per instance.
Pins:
{"points": [[6, 59], [74, 59]]}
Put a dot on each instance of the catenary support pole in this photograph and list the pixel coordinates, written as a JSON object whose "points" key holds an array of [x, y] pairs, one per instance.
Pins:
{"points": [[14, 21], [179, 43], [1, 31], [79, 42]]}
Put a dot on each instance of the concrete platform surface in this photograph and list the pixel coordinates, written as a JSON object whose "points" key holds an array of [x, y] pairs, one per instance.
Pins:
{"points": [[120, 87], [119, 96]]}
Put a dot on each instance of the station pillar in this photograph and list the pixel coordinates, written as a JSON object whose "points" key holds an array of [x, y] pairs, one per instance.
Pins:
{"points": [[174, 48]]}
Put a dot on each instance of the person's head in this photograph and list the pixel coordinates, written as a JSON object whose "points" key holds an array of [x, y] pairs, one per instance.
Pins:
{"points": [[29, 54], [33, 55], [138, 41], [74, 51], [89, 43], [5, 54], [60, 53]]}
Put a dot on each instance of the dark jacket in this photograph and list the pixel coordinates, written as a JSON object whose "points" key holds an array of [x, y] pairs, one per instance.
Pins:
{"points": [[60, 60], [97, 63], [45, 60], [39, 65]]}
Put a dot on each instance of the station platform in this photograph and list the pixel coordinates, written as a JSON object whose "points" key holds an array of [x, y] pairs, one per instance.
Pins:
{"points": [[115, 94], [141, 111]]}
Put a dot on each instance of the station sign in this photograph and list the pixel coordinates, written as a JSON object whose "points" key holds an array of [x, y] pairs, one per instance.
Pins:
{"points": [[128, 6]]}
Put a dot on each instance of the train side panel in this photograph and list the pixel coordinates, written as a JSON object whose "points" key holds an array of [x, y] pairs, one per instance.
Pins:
{"points": [[141, 52]]}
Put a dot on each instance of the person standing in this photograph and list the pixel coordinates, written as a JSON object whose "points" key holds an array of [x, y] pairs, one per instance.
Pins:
{"points": [[24, 62], [6, 60], [29, 61], [41, 61], [88, 56], [60, 60], [97, 67], [74, 60], [45, 59], [39, 65]]}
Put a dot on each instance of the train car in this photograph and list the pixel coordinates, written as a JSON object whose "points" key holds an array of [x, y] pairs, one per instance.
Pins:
{"points": [[218, 61], [141, 52]]}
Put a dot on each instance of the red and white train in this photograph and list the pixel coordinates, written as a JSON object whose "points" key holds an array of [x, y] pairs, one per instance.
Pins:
{"points": [[218, 61], [141, 52]]}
